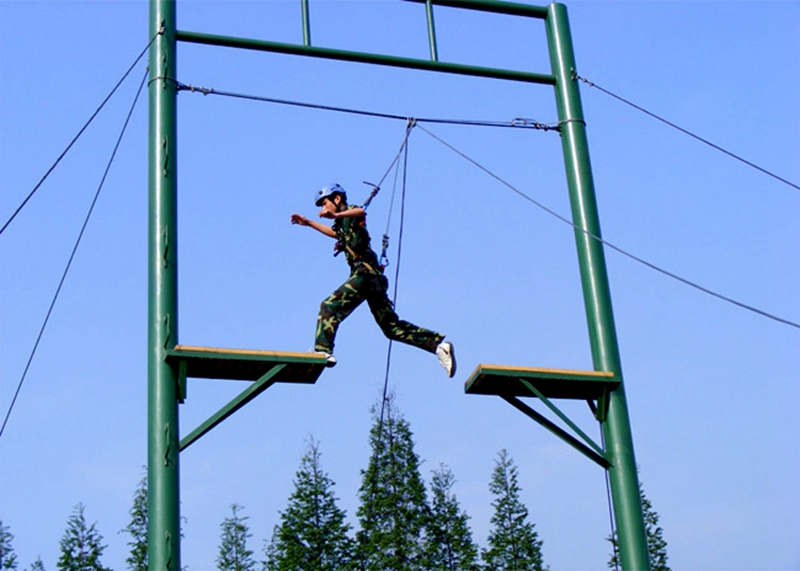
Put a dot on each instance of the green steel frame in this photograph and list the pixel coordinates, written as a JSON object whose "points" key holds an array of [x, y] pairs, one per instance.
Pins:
{"points": [[164, 377]]}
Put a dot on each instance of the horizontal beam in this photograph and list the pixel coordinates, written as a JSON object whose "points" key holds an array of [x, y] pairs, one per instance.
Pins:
{"points": [[361, 57], [508, 8]]}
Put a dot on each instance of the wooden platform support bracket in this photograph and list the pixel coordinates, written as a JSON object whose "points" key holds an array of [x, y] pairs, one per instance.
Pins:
{"points": [[264, 368], [545, 384]]}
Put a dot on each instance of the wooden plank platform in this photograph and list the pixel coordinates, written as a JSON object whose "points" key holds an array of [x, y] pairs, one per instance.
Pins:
{"points": [[246, 364], [502, 380]]}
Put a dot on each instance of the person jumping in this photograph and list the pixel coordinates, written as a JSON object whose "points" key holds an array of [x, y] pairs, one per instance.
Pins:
{"points": [[366, 282]]}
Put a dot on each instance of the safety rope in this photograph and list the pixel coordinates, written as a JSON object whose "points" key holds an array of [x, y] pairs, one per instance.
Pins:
{"points": [[614, 538], [685, 131], [74, 250], [383, 260], [410, 123], [385, 394], [609, 244], [86, 125], [396, 270]]}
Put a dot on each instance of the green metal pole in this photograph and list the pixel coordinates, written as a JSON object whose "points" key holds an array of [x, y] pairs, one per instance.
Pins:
{"points": [[431, 31], [597, 296], [162, 407], [306, 22]]}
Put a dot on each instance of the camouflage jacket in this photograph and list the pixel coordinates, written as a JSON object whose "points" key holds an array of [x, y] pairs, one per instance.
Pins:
{"points": [[354, 241]]}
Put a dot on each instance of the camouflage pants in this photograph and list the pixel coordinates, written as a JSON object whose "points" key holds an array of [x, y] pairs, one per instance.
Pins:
{"points": [[372, 288]]}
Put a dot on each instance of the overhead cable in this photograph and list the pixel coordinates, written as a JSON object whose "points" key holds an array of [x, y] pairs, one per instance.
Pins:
{"points": [[72, 255], [609, 244], [687, 132], [410, 123], [517, 123], [74, 140]]}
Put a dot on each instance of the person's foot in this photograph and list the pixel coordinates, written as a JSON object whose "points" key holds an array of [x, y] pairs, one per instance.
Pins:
{"points": [[330, 360], [447, 357]]}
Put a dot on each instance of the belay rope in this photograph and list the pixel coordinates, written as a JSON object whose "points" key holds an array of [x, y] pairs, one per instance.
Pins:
{"points": [[376, 188], [384, 261]]}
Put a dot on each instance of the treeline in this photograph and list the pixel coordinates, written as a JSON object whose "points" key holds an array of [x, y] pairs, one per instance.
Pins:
{"points": [[402, 525]]}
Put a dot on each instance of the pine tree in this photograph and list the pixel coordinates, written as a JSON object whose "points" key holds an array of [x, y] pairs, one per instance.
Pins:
{"points": [[8, 559], [271, 552], [514, 545], [393, 512], [449, 539], [656, 544], [37, 565], [137, 529], [312, 533], [233, 552], [81, 545]]}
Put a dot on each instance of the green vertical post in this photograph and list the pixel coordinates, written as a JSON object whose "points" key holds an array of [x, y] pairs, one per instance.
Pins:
{"points": [[163, 473], [596, 293], [431, 30], [306, 22]]}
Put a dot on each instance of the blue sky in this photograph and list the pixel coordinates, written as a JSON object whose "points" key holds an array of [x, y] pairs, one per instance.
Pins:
{"points": [[712, 389]]}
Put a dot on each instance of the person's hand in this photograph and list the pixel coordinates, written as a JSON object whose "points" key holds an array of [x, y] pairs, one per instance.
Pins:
{"points": [[299, 219], [325, 213]]}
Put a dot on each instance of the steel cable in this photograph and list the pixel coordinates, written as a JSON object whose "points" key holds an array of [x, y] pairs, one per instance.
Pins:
{"points": [[518, 123], [75, 139], [72, 255], [609, 244], [687, 132]]}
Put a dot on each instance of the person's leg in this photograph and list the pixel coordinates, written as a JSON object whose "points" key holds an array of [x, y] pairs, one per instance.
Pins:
{"points": [[334, 310], [393, 327]]}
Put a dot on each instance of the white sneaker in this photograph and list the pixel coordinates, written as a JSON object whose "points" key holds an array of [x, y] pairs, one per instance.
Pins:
{"points": [[329, 358], [447, 357]]}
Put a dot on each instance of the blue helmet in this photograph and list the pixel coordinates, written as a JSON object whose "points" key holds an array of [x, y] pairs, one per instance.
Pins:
{"points": [[328, 192]]}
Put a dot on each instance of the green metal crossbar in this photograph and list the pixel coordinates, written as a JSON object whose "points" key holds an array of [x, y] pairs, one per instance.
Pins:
{"points": [[361, 57], [493, 6]]}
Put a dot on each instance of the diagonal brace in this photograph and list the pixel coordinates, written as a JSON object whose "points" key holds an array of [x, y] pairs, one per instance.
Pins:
{"points": [[563, 417], [238, 402], [600, 459]]}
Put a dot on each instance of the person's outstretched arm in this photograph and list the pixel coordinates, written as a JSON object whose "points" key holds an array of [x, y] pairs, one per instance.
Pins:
{"points": [[355, 212], [322, 228]]}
